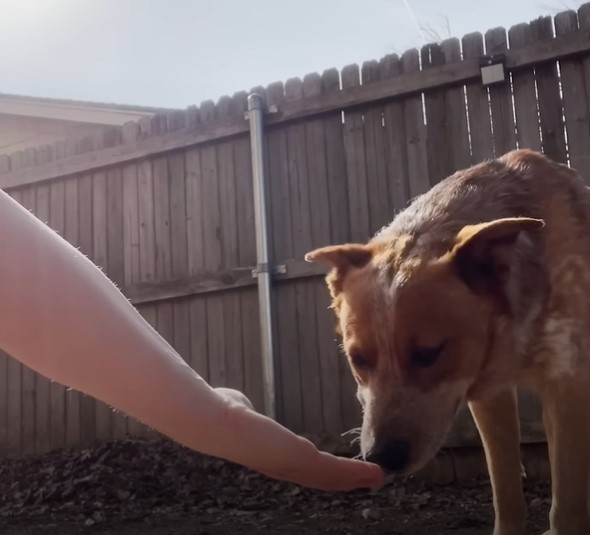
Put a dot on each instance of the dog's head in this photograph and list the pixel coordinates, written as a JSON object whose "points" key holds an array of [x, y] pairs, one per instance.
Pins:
{"points": [[417, 329]]}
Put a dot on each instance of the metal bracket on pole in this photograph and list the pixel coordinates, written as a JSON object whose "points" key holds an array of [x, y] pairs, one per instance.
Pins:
{"points": [[281, 269], [273, 108]]}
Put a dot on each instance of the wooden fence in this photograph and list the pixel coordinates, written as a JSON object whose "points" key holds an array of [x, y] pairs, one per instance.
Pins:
{"points": [[165, 207]]}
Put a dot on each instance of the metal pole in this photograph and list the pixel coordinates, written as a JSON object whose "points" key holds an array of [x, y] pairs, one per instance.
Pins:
{"points": [[263, 269]]}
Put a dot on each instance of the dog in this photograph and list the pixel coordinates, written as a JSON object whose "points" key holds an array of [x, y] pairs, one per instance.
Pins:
{"points": [[478, 287]]}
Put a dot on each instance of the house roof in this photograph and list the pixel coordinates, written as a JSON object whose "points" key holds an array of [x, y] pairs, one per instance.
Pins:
{"points": [[75, 110]]}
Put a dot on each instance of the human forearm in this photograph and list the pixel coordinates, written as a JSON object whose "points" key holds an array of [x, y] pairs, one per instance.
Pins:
{"points": [[90, 338]]}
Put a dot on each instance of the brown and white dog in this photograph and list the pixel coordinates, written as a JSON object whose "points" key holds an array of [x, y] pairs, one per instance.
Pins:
{"points": [[480, 285]]}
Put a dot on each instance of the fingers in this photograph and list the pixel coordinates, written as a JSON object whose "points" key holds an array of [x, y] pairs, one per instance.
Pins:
{"points": [[311, 468], [264, 445]]}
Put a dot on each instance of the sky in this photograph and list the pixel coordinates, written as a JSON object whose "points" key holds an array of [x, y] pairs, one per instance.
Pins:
{"points": [[176, 53]]}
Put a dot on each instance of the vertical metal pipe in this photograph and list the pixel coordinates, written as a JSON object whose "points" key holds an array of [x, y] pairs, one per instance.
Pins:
{"points": [[264, 268]]}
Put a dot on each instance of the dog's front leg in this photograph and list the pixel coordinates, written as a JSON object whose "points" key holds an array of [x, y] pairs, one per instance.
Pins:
{"points": [[565, 410], [498, 426]]}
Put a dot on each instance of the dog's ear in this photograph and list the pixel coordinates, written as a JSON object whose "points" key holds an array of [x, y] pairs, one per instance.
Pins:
{"points": [[342, 259], [484, 254]]}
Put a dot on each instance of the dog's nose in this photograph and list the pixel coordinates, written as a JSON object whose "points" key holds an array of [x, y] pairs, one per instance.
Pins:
{"points": [[391, 455]]}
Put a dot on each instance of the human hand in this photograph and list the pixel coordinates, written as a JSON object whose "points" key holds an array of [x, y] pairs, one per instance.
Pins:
{"points": [[271, 449]]}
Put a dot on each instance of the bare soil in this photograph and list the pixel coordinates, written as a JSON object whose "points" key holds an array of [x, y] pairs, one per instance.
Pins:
{"points": [[158, 488]]}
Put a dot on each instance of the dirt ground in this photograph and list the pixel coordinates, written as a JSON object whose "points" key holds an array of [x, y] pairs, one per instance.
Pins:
{"points": [[134, 488]]}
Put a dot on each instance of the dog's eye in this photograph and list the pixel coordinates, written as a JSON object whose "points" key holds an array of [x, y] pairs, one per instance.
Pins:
{"points": [[424, 357], [359, 360]]}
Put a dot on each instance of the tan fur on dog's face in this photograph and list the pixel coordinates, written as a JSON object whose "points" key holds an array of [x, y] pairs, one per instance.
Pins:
{"points": [[417, 331]]}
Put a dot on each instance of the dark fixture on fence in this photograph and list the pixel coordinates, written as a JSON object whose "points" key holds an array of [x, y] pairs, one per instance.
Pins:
{"points": [[493, 69]]}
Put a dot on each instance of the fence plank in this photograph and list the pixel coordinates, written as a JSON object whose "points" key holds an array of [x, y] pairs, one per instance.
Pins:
{"points": [[57, 429], [42, 385], [321, 235], [336, 164], [395, 141], [131, 235], [584, 23], [4, 359], [415, 131], [212, 251], [179, 245], [15, 368], [85, 216], [115, 261], [480, 126], [196, 262], [438, 142], [575, 103], [456, 102], [504, 130], [72, 235], [234, 360], [289, 403], [550, 105], [99, 242], [28, 376], [374, 140], [306, 325], [525, 97], [149, 314], [356, 172]]}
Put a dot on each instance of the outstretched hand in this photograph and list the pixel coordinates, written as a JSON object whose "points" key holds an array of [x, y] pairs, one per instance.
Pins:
{"points": [[276, 452]]}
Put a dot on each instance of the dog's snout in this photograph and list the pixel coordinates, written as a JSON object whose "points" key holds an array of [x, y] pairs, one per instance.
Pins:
{"points": [[391, 455]]}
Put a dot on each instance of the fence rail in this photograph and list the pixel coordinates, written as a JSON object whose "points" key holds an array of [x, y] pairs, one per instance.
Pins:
{"points": [[165, 207]]}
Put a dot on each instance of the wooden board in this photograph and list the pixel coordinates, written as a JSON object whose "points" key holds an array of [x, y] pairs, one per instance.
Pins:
{"points": [[374, 139], [72, 235], [289, 403], [584, 23], [504, 128], [131, 236], [42, 384], [416, 149], [27, 200], [395, 155], [234, 359], [458, 131], [196, 262], [438, 142], [194, 199], [14, 373], [336, 164], [86, 246], [147, 240], [99, 241], [57, 395], [356, 171], [574, 91], [306, 325], [550, 105], [115, 261], [525, 98], [480, 125], [4, 359], [212, 256], [179, 251], [325, 355]]}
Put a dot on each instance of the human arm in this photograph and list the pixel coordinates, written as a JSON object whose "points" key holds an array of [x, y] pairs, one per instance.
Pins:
{"points": [[62, 317]]}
